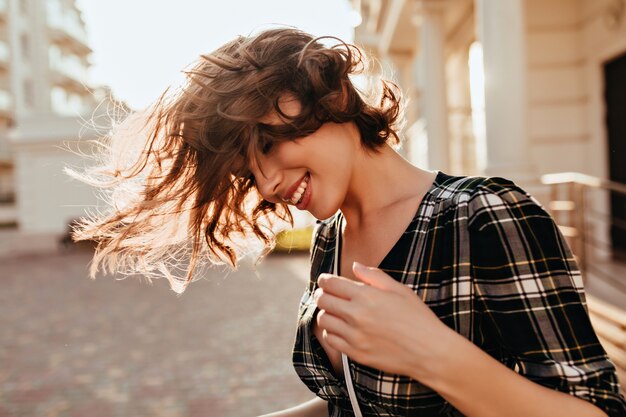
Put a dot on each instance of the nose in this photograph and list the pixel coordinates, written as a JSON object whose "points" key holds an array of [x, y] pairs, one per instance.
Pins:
{"points": [[268, 183], [268, 187]]}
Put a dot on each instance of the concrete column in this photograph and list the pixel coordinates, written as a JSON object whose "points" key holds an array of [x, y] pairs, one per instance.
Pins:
{"points": [[31, 67], [501, 30], [16, 72], [434, 109], [402, 74], [40, 62]]}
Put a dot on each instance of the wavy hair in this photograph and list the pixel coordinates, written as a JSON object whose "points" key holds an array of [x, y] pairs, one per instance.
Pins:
{"points": [[176, 189]]}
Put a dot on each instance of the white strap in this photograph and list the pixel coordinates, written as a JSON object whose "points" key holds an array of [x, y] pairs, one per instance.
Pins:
{"points": [[344, 357], [346, 372]]}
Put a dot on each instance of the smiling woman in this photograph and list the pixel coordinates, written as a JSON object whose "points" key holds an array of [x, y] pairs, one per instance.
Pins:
{"points": [[187, 187], [430, 294]]}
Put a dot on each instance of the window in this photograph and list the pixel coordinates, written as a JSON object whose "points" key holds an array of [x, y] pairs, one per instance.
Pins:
{"points": [[59, 100], [25, 45], [24, 6], [29, 93], [6, 100]]}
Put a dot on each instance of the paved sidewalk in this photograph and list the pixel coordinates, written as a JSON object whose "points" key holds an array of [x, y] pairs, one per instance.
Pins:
{"points": [[16, 243], [73, 347]]}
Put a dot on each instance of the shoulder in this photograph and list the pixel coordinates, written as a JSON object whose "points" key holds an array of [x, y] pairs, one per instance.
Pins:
{"points": [[498, 200], [454, 189], [470, 187], [485, 200]]}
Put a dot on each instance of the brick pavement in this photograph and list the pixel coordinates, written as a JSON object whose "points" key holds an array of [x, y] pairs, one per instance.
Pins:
{"points": [[73, 347]]}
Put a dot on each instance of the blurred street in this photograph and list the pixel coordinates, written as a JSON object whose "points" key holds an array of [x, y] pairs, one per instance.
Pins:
{"points": [[73, 347]]}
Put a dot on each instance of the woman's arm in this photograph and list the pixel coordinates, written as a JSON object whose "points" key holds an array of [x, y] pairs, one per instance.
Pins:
{"points": [[527, 293], [480, 386], [316, 407], [471, 380]]}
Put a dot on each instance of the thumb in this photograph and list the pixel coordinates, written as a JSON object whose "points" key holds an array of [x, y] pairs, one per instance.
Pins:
{"points": [[374, 277]]}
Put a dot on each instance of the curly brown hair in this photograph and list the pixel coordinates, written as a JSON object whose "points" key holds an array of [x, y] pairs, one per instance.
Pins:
{"points": [[173, 177]]}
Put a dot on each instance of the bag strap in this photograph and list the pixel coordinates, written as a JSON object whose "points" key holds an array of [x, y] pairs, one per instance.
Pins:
{"points": [[344, 357]]}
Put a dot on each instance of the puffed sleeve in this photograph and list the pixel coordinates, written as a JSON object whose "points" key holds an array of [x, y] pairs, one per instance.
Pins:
{"points": [[529, 287]]}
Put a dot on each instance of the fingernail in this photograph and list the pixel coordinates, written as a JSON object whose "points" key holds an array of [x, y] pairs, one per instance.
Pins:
{"points": [[358, 267], [316, 294], [322, 277]]}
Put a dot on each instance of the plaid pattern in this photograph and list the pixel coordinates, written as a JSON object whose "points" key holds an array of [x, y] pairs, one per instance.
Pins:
{"points": [[517, 294]]}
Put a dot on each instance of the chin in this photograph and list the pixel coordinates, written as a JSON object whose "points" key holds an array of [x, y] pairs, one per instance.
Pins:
{"points": [[324, 214]]}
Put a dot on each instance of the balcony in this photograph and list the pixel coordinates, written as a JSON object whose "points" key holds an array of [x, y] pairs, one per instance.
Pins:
{"points": [[4, 55], [67, 71], [6, 102], [66, 28], [6, 157], [66, 103], [587, 210]]}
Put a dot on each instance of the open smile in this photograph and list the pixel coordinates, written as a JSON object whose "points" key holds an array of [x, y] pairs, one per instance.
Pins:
{"points": [[297, 191]]}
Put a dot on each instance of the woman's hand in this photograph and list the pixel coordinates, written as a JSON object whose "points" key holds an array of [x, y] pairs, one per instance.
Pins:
{"points": [[381, 323]]}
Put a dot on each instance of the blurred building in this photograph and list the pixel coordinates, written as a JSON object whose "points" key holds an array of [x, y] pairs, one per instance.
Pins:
{"points": [[520, 89], [539, 106], [515, 88], [44, 101]]}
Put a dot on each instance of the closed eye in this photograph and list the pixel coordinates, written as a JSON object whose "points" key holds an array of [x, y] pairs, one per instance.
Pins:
{"points": [[267, 147]]}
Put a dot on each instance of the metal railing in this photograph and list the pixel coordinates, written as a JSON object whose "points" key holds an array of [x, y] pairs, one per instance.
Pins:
{"points": [[581, 206], [591, 213]]}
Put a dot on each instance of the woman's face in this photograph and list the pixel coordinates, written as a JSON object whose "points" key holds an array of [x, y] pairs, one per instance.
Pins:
{"points": [[313, 172]]}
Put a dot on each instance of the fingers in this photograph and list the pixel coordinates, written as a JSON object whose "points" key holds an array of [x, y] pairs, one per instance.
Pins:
{"points": [[336, 306], [335, 325], [339, 343], [339, 286], [374, 277]]}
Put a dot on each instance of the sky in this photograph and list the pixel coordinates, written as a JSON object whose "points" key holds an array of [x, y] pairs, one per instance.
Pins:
{"points": [[140, 46]]}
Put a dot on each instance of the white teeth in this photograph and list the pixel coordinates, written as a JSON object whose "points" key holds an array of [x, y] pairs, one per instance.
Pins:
{"points": [[295, 198]]}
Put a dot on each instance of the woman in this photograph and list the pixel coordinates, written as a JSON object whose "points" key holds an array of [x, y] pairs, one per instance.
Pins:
{"points": [[450, 295]]}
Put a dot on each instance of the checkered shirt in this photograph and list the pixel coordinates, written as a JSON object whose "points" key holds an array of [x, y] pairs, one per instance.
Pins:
{"points": [[490, 262]]}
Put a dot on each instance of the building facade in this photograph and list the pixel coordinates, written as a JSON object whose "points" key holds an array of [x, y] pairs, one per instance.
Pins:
{"points": [[512, 88], [46, 103], [520, 89]]}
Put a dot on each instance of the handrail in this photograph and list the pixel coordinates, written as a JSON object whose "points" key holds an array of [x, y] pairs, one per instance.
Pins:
{"points": [[583, 179], [578, 213], [581, 229]]}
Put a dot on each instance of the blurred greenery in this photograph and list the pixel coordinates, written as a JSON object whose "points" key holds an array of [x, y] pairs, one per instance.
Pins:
{"points": [[294, 239]]}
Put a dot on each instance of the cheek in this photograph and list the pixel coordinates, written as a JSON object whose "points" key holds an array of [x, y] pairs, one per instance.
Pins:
{"points": [[331, 184]]}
